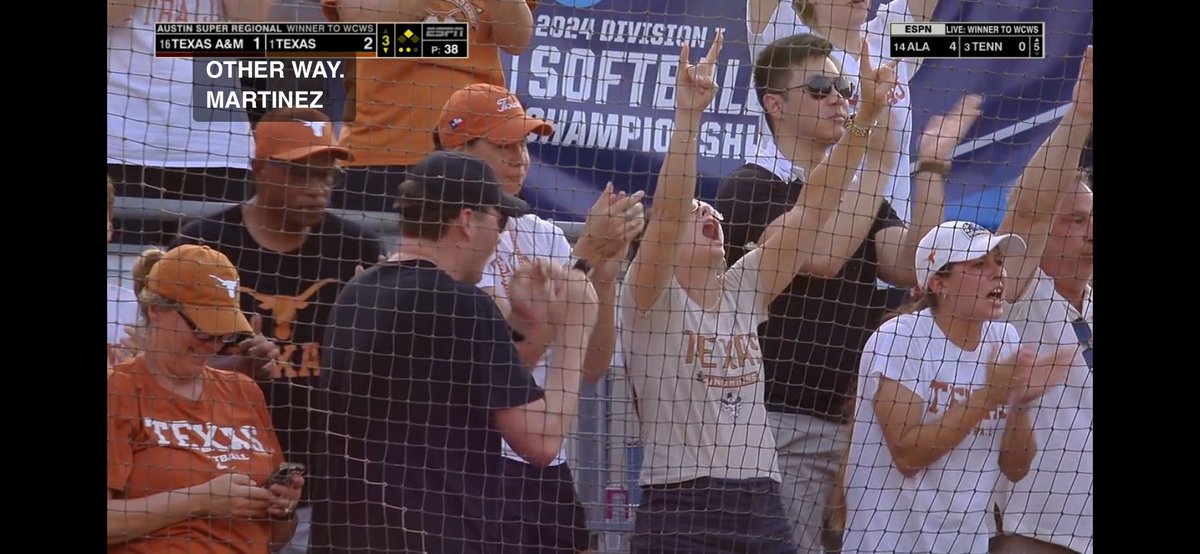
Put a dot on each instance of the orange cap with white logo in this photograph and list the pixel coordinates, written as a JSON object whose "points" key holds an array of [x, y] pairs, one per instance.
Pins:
{"points": [[489, 112], [205, 283], [296, 139]]}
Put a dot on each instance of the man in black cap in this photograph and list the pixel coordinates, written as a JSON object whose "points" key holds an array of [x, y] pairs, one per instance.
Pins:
{"points": [[422, 378]]}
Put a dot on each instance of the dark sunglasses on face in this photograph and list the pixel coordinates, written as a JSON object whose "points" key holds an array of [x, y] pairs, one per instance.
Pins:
{"points": [[821, 86], [205, 337]]}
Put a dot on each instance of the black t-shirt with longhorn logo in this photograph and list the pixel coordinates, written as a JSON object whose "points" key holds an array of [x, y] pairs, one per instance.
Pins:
{"points": [[293, 292]]}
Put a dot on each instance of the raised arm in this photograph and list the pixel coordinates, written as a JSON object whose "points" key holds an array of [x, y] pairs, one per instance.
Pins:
{"points": [[654, 265], [758, 16], [897, 246], [788, 242], [845, 232], [1053, 171]]}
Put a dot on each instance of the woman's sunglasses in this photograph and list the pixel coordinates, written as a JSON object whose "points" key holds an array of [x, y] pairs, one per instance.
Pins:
{"points": [[206, 337]]}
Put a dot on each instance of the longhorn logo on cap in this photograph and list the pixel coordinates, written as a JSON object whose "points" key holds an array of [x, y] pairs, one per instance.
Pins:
{"points": [[317, 127], [231, 286]]}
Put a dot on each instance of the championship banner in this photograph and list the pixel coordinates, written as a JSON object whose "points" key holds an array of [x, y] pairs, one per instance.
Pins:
{"points": [[603, 71]]}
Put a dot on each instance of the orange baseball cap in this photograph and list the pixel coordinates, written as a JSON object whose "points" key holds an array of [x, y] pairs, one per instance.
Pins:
{"points": [[296, 139], [205, 282], [489, 112]]}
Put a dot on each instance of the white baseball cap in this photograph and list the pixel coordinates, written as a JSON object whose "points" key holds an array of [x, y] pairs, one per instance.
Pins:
{"points": [[960, 241]]}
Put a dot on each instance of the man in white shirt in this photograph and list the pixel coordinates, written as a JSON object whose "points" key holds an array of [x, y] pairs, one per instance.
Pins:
{"points": [[156, 148], [542, 513], [1050, 510]]}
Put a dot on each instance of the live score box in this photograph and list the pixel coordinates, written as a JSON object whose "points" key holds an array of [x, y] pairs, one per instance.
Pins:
{"points": [[1017, 40]]}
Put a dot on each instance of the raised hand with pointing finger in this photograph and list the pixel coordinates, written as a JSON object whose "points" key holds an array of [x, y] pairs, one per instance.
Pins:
{"points": [[696, 84], [878, 87]]}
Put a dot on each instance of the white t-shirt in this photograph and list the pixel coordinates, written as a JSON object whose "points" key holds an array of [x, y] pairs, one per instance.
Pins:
{"points": [[150, 99], [526, 238], [1054, 502], [697, 381], [122, 311], [785, 22], [945, 507]]}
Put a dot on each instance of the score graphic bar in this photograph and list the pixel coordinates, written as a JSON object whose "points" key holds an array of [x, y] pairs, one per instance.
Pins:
{"points": [[311, 40], [968, 40]]}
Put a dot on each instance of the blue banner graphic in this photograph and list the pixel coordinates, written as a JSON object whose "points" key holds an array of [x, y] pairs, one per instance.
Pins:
{"points": [[1023, 99], [603, 71]]}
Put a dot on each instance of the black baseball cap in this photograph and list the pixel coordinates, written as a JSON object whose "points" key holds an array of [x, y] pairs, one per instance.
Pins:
{"points": [[453, 178]]}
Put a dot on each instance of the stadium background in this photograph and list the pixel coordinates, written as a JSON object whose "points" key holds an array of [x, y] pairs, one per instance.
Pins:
{"points": [[1023, 100]]}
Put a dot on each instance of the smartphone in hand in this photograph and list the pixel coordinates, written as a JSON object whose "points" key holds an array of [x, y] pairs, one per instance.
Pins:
{"points": [[284, 473]]}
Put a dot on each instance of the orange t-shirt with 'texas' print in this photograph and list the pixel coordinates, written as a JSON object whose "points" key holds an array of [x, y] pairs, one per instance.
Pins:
{"points": [[397, 102], [160, 442]]}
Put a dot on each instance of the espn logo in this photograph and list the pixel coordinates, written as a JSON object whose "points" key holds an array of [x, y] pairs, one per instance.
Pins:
{"points": [[446, 31]]}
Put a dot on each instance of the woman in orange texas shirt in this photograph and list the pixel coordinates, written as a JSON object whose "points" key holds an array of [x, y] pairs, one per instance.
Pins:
{"points": [[190, 448], [397, 102]]}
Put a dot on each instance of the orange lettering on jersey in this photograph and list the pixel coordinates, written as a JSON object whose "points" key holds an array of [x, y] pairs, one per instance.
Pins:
{"points": [[739, 349], [284, 363], [705, 352], [310, 360], [936, 388], [730, 355], [943, 396], [735, 352], [691, 347]]}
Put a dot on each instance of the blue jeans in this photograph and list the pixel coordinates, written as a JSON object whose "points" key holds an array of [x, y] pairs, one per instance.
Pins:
{"points": [[717, 516]]}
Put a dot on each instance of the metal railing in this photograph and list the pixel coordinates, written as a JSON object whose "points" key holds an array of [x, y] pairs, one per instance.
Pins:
{"points": [[156, 209]]}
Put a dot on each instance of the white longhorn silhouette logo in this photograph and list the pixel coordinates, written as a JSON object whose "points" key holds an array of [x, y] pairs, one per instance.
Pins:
{"points": [[317, 127], [231, 286]]}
